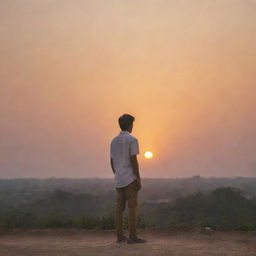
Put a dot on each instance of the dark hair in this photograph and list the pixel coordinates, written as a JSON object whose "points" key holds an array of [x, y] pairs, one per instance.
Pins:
{"points": [[125, 121]]}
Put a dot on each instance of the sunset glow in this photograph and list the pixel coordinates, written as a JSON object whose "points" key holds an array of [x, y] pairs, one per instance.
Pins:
{"points": [[184, 69]]}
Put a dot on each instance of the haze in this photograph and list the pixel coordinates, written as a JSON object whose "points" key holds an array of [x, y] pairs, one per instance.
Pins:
{"points": [[184, 69]]}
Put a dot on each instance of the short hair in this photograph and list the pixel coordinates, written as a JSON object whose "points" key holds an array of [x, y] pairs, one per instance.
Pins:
{"points": [[125, 121]]}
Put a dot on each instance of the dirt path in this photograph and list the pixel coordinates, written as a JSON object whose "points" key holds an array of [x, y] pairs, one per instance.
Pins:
{"points": [[69, 242]]}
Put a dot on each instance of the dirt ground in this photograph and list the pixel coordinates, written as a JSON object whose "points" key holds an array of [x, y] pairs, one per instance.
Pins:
{"points": [[63, 242]]}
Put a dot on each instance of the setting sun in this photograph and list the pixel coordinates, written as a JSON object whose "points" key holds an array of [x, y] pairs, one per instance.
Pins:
{"points": [[148, 155]]}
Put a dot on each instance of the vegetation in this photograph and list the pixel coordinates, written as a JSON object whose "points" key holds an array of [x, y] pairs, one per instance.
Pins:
{"points": [[224, 208], [33, 205]]}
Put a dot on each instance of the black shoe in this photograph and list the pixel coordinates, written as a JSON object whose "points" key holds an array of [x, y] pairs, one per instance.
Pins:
{"points": [[136, 241], [121, 239]]}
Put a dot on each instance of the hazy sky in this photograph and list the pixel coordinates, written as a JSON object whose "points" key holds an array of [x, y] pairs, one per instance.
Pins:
{"points": [[184, 68]]}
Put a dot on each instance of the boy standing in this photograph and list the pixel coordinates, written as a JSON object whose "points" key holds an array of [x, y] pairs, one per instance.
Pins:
{"points": [[123, 157]]}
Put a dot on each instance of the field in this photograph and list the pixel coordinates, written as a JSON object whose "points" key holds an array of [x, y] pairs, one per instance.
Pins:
{"points": [[69, 242]]}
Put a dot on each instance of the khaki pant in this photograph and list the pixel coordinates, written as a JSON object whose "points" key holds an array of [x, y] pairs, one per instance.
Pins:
{"points": [[127, 194]]}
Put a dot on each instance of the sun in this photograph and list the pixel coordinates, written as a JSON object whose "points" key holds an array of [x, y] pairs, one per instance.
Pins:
{"points": [[148, 155]]}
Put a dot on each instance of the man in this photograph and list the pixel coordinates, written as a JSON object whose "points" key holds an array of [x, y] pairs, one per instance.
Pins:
{"points": [[123, 153]]}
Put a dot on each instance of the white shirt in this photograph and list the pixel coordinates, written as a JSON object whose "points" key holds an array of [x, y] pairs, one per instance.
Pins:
{"points": [[122, 147]]}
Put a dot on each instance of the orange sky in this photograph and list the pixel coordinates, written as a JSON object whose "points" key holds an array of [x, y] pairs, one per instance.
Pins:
{"points": [[185, 69]]}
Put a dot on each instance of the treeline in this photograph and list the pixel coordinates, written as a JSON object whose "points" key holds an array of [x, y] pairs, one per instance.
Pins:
{"points": [[61, 209], [15, 192], [223, 208]]}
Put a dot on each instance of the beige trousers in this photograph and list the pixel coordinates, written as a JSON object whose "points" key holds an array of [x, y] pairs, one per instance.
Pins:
{"points": [[127, 194]]}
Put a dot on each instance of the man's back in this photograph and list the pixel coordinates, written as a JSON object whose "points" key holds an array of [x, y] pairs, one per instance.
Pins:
{"points": [[122, 148]]}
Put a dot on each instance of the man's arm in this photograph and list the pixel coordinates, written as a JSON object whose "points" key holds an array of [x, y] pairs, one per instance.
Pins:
{"points": [[135, 167], [112, 165]]}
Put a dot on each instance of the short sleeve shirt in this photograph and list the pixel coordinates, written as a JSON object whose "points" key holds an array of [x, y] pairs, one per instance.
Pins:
{"points": [[122, 148]]}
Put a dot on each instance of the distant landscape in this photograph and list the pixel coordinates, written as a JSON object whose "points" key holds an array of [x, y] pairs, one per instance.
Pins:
{"points": [[216, 203]]}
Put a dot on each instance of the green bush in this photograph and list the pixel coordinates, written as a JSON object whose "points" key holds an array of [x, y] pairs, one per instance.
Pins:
{"points": [[107, 222], [86, 222], [54, 220], [18, 219]]}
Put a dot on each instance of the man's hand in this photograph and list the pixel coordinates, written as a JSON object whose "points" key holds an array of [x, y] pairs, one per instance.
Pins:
{"points": [[135, 167], [138, 184], [112, 165]]}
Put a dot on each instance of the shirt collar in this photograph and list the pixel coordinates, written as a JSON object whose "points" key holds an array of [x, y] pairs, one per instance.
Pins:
{"points": [[124, 132]]}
